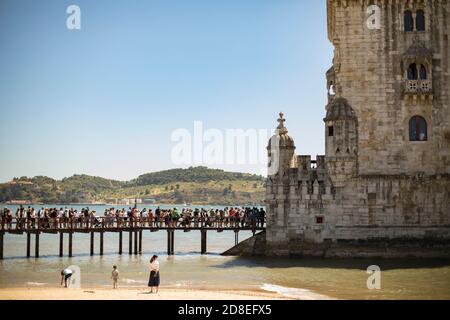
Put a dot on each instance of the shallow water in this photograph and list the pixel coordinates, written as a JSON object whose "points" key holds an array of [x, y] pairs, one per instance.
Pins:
{"points": [[400, 279], [301, 278]]}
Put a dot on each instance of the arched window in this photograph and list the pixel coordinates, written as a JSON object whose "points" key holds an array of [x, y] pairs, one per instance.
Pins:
{"points": [[408, 21], [418, 129], [422, 72], [412, 72], [420, 20]]}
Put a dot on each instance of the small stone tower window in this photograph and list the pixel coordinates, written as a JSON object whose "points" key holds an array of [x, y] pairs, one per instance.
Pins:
{"points": [[417, 129], [422, 72], [409, 21], [412, 72], [330, 131], [420, 20]]}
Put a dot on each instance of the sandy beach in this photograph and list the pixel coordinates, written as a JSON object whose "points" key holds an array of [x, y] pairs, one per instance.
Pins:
{"points": [[133, 294]]}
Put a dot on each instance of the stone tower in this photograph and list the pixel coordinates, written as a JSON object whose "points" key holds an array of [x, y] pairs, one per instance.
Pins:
{"points": [[383, 186]]}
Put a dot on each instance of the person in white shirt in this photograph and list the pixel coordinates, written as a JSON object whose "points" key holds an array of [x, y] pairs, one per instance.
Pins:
{"points": [[143, 217], [65, 275], [33, 218], [154, 274]]}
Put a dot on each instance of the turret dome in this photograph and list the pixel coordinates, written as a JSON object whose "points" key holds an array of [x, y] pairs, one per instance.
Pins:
{"points": [[339, 109], [281, 134]]}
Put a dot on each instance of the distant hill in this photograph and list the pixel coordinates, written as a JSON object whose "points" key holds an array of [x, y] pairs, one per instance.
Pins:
{"points": [[196, 185], [192, 174]]}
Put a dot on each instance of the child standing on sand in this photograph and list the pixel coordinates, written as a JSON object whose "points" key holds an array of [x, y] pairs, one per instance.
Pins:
{"points": [[115, 276]]}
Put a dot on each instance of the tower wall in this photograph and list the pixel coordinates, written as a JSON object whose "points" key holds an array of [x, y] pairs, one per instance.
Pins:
{"points": [[370, 72]]}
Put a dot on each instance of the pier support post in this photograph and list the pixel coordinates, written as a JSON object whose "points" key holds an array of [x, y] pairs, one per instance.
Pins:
{"points": [[61, 244], [92, 243], [101, 242], [120, 242], [36, 246], [136, 242], [130, 243], [140, 241], [28, 244], [1, 244], [70, 244], [169, 241], [172, 242], [203, 241], [236, 237]]}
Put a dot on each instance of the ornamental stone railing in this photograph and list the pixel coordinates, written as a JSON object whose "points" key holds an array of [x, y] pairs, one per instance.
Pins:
{"points": [[418, 86]]}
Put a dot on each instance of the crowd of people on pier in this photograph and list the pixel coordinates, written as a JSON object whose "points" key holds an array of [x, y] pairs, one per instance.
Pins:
{"points": [[54, 218]]}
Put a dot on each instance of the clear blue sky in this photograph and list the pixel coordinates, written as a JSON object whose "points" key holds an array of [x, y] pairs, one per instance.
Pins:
{"points": [[105, 100]]}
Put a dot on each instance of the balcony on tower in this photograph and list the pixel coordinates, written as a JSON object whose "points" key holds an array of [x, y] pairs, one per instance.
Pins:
{"points": [[417, 66]]}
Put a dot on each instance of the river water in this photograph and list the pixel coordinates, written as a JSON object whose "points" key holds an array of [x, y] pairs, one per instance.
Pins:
{"points": [[300, 278]]}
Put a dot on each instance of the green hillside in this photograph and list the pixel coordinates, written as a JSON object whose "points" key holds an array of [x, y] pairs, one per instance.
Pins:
{"points": [[192, 174], [196, 185]]}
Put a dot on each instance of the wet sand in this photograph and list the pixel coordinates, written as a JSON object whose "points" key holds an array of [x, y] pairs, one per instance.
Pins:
{"points": [[133, 294]]}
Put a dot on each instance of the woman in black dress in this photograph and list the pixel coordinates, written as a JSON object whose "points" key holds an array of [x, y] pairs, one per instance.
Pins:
{"points": [[154, 274]]}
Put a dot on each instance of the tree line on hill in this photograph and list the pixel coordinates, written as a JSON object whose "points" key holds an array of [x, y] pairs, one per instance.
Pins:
{"points": [[86, 189]]}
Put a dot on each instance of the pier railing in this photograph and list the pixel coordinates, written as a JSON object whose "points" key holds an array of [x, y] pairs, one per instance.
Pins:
{"points": [[15, 224]]}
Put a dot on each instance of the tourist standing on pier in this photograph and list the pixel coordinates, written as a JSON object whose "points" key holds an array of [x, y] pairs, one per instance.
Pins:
{"points": [[226, 217], [150, 218], [128, 216], [175, 217], [157, 216], [261, 217], [167, 218], [143, 217], [9, 218], [196, 217], [19, 218], [154, 274], [3, 218]]}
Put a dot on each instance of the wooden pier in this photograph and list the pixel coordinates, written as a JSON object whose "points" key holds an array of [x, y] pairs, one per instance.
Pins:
{"points": [[135, 232]]}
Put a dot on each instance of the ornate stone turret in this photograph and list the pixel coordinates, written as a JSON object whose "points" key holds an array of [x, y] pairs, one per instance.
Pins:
{"points": [[341, 140], [281, 151]]}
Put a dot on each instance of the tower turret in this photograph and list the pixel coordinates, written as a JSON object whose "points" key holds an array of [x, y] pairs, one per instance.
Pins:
{"points": [[281, 151], [341, 140]]}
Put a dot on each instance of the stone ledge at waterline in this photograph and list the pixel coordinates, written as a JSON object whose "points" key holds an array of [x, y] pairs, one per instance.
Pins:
{"points": [[376, 248]]}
